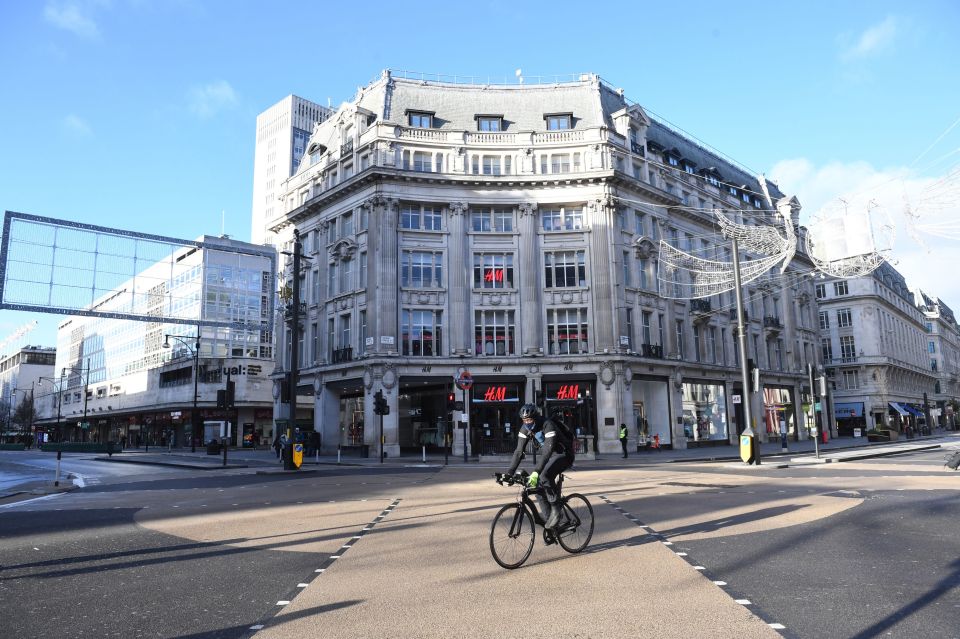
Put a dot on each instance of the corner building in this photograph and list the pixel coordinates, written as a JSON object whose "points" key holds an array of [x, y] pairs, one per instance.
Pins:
{"points": [[512, 231]]}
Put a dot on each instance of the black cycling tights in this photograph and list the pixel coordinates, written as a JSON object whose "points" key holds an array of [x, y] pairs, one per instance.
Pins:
{"points": [[556, 465]]}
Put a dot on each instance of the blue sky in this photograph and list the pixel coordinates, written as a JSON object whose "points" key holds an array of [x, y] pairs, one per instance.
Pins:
{"points": [[139, 114]]}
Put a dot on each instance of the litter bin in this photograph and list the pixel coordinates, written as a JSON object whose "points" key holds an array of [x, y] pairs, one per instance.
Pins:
{"points": [[213, 447]]}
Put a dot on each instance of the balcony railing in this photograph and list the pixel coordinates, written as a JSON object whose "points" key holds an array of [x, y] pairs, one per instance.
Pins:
{"points": [[772, 321], [341, 355], [652, 350], [346, 148], [700, 306], [637, 148]]}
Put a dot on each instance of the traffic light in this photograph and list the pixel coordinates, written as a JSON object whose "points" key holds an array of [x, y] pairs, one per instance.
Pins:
{"points": [[451, 401], [231, 393], [221, 398], [380, 406]]}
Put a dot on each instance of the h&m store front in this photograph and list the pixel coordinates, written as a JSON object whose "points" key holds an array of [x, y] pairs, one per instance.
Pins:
{"points": [[493, 402]]}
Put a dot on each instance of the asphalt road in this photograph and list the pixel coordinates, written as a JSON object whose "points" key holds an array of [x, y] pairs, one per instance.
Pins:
{"points": [[859, 549]]}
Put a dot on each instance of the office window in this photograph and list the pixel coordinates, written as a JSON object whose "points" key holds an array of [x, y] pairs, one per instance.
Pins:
{"points": [[489, 123], [933, 364], [560, 163], [629, 327], [627, 274], [645, 319], [421, 269], [362, 260], [931, 347], [315, 345], [824, 320], [422, 161], [421, 120], [844, 317], [840, 288], [567, 331], [564, 269], [494, 333], [331, 279], [712, 344], [488, 220], [820, 291], [423, 217], [696, 343], [345, 331], [851, 380], [680, 349], [559, 121], [493, 270], [562, 219], [848, 348], [346, 271], [362, 345], [421, 332], [491, 165], [644, 277]]}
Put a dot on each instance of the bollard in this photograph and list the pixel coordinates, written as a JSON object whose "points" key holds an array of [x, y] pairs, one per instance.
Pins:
{"points": [[56, 479], [338, 453], [424, 453]]}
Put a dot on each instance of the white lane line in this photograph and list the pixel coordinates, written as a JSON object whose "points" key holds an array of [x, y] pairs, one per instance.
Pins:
{"points": [[302, 585], [777, 626], [259, 626], [30, 501], [743, 602], [283, 602], [720, 583], [319, 570]]}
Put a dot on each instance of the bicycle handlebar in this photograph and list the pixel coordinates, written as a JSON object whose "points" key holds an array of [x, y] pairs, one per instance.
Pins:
{"points": [[510, 480]]}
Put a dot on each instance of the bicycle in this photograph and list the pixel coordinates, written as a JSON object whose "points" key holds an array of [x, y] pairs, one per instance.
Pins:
{"points": [[513, 531]]}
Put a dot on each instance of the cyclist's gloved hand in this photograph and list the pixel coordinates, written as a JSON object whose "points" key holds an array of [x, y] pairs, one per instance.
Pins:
{"points": [[533, 480]]}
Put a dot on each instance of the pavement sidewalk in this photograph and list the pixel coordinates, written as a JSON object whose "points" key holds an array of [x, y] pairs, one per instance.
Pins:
{"points": [[840, 449]]}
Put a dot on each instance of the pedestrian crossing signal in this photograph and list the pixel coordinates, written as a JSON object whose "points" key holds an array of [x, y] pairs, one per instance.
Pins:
{"points": [[380, 406]]}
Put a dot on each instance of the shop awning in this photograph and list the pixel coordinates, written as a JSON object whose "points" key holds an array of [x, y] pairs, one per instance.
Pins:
{"points": [[899, 409], [913, 411], [846, 410]]}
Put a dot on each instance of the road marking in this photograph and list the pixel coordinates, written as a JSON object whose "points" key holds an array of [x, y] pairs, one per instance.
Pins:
{"points": [[703, 569], [283, 602], [301, 585], [30, 501], [259, 626]]}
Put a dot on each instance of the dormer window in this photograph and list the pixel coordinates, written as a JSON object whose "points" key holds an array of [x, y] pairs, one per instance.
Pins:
{"points": [[672, 161], [489, 122], [746, 197], [732, 190], [420, 119], [756, 203], [558, 121], [689, 168]]}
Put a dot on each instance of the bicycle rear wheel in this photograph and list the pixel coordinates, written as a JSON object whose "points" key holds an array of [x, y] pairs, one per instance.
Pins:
{"points": [[511, 536], [576, 528]]}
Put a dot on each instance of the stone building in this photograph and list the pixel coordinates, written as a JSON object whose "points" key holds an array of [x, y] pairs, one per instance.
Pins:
{"points": [[512, 231], [874, 345]]}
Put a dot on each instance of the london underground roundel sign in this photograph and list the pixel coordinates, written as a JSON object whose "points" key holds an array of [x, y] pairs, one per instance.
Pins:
{"points": [[464, 380]]}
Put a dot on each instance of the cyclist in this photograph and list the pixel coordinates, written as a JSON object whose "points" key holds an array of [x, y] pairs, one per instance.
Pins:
{"points": [[557, 456]]}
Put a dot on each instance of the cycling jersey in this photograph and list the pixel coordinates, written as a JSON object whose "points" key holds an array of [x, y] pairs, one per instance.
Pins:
{"points": [[556, 439]]}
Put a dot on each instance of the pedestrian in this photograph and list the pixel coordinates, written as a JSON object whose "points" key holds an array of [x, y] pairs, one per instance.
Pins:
{"points": [[623, 439], [276, 445]]}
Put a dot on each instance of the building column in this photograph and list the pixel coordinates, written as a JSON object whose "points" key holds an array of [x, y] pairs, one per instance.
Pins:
{"points": [[383, 315], [601, 281], [459, 268], [531, 289]]}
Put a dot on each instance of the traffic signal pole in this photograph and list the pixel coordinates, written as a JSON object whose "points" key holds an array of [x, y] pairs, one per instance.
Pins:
{"points": [[294, 374]]}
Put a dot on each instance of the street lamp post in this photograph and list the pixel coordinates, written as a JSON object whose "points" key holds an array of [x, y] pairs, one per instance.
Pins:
{"points": [[196, 372]]}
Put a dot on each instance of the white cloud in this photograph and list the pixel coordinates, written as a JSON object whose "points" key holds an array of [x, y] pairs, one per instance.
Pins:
{"points": [[930, 263], [875, 39], [208, 100], [71, 17], [76, 126]]}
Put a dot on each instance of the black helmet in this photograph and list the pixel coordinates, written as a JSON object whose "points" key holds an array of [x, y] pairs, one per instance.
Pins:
{"points": [[528, 411]]}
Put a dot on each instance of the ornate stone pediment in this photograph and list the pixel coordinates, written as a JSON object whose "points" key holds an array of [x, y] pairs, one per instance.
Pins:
{"points": [[343, 250], [645, 247]]}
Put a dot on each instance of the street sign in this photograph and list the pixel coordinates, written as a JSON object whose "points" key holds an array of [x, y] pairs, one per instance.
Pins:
{"points": [[297, 455], [464, 380]]}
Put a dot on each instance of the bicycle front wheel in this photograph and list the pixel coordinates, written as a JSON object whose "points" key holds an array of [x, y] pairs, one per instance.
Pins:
{"points": [[576, 527], [511, 536]]}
